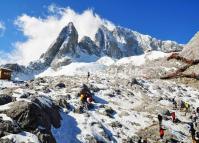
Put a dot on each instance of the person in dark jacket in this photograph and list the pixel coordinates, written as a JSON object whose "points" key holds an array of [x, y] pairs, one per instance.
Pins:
{"points": [[192, 131], [160, 119], [88, 76]]}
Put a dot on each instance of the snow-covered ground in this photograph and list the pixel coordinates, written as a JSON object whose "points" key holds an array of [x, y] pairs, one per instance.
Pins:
{"points": [[99, 66], [135, 109]]}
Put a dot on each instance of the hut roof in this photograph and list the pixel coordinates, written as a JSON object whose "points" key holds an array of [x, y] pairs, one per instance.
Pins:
{"points": [[5, 69]]}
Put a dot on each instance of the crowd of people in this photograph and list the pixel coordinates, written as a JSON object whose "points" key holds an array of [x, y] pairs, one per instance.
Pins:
{"points": [[86, 103], [194, 116]]}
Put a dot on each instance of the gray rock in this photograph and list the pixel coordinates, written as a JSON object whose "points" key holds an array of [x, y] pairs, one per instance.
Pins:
{"points": [[109, 111], [44, 136], [116, 124], [90, 139], [191, 50], [34, 114], [87, 45], [60, 85], [4, 99], [7, 127], [6, 141], [62, 102], [55, 51]]}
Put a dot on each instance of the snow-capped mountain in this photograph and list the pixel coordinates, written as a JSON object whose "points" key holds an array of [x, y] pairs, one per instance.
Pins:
{"points": [[118, 43]]}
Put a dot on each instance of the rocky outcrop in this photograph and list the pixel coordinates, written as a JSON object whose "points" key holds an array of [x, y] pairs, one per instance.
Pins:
{"points": [[68, 46], [36, 116], [189, 56], [106, 42], [7, 127], [6, 141], [89, 47], [65, 43], [4, 99], [191, 50]]}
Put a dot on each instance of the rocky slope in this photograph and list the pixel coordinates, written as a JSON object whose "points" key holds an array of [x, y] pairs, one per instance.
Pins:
{"points": [[45, 110], [191, 49]]}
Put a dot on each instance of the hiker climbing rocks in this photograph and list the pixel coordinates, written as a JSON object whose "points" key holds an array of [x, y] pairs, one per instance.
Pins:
{"points": [[86, 97], [161, 131], [160, 119], [187, 107], [88, 76], [83, 98], [173, 116], [192, 131]]}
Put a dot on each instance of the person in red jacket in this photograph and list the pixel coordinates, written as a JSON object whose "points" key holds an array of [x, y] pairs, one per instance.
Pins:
{"points": [[161, 133], [173, 115]]}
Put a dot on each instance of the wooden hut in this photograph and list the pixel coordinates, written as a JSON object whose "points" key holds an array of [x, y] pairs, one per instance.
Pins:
{"points": [[5, 74]]}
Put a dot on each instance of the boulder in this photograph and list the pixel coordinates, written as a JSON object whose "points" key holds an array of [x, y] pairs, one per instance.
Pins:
{"points": [[6, 141], [116, 124], [40, 112], [109, 112], [60, 85], [62, 101], [4, 99], [90, 139], [44, 136], [7, 127]]}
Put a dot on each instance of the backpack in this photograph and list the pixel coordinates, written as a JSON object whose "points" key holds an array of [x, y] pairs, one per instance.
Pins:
{"points": [[82, 97], [89, 99], [161, 132]]}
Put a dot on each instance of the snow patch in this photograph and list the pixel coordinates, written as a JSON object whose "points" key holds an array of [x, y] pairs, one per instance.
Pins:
{"points": [[25, 137]]}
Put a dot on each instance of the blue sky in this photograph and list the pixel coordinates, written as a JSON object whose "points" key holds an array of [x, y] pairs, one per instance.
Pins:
{"points": [[176, 20]]}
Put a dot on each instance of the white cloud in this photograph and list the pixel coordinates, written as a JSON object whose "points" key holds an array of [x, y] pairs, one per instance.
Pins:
{"points": [[41, 32], [2, 28]]}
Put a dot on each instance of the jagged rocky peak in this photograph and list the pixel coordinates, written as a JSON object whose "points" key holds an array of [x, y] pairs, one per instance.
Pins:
{"points": [[65, 44], [118, 43], [89, 47], [191, 50], [105, 39], [70, 43]]}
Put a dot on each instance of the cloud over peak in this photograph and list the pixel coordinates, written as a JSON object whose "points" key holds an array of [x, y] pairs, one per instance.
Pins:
{"points": [[41, 32]]}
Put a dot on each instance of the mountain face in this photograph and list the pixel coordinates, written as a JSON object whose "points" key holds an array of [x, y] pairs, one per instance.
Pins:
{"points": [[118, 43], [191, 50], [65, 44]]}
